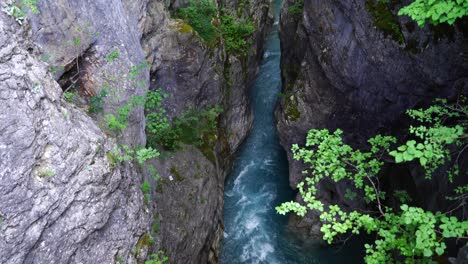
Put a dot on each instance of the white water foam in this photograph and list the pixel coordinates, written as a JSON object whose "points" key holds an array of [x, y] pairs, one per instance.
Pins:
{"points": [[257, 250], [238, 180]]}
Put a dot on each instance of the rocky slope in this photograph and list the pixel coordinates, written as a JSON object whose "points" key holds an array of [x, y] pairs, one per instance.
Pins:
{"points": [[62, 200], [346, 65]]}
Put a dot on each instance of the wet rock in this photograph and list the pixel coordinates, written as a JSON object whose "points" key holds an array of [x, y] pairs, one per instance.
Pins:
{"points": [[196, 75], [342, 71]]}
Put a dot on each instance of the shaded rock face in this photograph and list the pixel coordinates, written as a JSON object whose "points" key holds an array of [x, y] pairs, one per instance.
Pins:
{"points": [[62, 200], [189, 198], [340, 71]]}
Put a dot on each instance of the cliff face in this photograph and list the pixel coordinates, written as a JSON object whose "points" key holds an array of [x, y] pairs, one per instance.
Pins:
{"points": [[342, 69], [62, 200], [189, 199]]}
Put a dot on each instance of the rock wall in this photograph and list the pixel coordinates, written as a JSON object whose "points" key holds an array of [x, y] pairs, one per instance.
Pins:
{"points": [[342, 69], [58, 192], [62, 200], [189, 199]]}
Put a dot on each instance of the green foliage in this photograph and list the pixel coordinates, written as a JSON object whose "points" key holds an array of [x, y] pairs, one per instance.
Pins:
{"points": [[119, 260], [199, 14], [193, 127], [96, 102], [15, 12], [135, 70], [144, 154], [402, 196], [290, 107], [158, 258], [432, 137], [18, 10], [385, 20], [118, 122], [435, 11], [409, 232], [47, 173], [350, 194], [146, 188], [69, 96], [153, 172], [76, 41], [296, 9], [155, 225], [236, 34], [32, 5], [176, 174], [112, 56], [158, 129], [124, 154]]}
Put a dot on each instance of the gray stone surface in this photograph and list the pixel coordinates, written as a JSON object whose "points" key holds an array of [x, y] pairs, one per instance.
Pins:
{"points": [[61, 201], [340, 71], [195, 75]]}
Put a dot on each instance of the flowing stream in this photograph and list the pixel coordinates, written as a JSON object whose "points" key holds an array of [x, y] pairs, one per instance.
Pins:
{"points": [[254, 232]]}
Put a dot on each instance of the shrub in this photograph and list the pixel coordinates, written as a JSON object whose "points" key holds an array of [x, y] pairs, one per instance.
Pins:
{"points": [[144, 154], [158, 258], [112, 56], [199, 14], [69, 96], [146, 188], [32, 5], [118, 122], [96, 102], [236, 34], [158, 129], [15, 12], [47, 173], [406, 232], [436, 11], [296, 9], [193, 127]]}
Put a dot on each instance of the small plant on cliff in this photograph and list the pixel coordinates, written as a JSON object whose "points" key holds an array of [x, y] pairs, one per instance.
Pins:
{"points": [[124, 154], [47, 173], [158, 129], [236, 34], [32, 5], [199, 14], [18, 10], [15, 12], [193, 127], [158, 258], [145, 189], [112, 56], [145, 154], [296, 9], [96, 102], [406, 232], [69, 96], [118, 122]]}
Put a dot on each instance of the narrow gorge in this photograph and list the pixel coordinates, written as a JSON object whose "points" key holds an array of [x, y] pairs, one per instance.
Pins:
{"points": [[233, 131]]}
